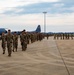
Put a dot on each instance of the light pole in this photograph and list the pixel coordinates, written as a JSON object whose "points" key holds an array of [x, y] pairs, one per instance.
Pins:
{"points": [[44, 21]]}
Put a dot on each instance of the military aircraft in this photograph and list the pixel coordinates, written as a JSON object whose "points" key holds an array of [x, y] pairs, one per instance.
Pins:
{"points": [[2, 30], [38, 29]]}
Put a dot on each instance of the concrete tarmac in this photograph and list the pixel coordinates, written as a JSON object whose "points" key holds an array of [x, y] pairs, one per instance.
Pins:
{"points": [[48, 57]]}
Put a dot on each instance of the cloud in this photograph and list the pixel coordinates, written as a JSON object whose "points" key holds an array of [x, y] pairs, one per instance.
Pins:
{"points": [[39, 1], [14, 3], [28, 13], [67, 1], [12, 6], [57, 7], [34, 6], [35, 19], [61, 19]]}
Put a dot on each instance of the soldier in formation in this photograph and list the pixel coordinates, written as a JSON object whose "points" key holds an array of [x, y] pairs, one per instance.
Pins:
{"points": [[63, 36], [23, 39], [15, 41], [3, 37], [47, 36], [11, 40]]}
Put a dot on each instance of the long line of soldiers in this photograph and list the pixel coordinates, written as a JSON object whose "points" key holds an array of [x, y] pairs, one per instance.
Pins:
{"points": [[64, 36], [11, 40]]}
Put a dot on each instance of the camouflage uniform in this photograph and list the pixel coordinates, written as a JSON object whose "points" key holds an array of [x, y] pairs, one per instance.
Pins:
{"points": [[47, 36], [65, 35], [54, 36], [32, 38], [72, 36], [9, 38], [68, 36], [40, 36], [61, 36], [23, 39], [57, 35], [15, 42], [28, 37], [3, 37], [37, 36]]}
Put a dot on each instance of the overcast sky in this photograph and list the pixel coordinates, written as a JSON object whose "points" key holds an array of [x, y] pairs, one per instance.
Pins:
{"points": [[27, 14]]}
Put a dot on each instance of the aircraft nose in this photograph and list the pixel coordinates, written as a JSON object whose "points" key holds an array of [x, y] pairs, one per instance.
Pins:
{"points": [[5, 31]]}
